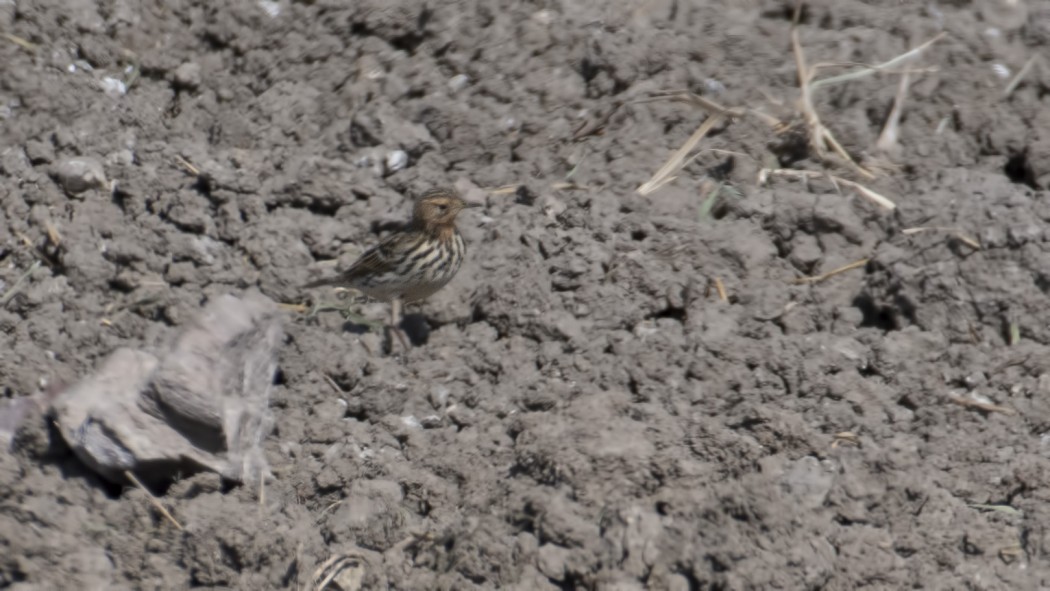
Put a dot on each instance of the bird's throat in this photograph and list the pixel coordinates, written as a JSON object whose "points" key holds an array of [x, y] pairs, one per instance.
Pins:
{"points": [[441, 232]]}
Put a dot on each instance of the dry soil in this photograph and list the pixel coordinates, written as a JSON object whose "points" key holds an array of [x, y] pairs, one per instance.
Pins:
{"points": [[583, 409]]}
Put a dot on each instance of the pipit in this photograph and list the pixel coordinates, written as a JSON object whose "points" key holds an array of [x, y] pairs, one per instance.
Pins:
{"points": [[413, 263]]}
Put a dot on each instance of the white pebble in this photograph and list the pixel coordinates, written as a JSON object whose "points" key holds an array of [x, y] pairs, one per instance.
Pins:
{"points": [[412, 422], [439, 396], [271, 8], [114, 87], [396, 160], [544, 17], [458, 82], [121, 158], [1001, 71], [713, 86]]}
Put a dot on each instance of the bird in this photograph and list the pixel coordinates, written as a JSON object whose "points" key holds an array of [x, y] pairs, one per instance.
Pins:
{"points": [[413, 263]]}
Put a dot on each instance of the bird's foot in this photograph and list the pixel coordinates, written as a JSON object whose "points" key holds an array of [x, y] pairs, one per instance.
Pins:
{"points": [[347, 311]]}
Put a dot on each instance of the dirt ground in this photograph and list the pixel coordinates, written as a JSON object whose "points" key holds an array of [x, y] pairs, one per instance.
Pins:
{"points": [[584, 409]]}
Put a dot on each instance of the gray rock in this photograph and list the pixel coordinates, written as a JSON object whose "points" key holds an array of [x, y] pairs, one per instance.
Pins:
{"points": [[40, 152], [79, 174], [188, 76], [204, 403]]}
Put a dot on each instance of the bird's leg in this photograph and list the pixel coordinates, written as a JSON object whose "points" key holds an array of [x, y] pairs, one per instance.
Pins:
{"points": [[395, 325]]}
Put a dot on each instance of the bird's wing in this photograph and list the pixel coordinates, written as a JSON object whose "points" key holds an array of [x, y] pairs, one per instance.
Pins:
{"points": [[381, 258]]}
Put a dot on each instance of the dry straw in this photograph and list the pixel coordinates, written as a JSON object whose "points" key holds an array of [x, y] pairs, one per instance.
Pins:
{"points": [[822, 142]]}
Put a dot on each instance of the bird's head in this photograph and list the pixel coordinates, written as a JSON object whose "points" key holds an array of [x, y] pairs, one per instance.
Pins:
{"points": [[438, 208]]}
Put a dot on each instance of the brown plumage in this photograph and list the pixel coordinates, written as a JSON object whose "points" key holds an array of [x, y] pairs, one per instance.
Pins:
{"points": [[413, 263]]}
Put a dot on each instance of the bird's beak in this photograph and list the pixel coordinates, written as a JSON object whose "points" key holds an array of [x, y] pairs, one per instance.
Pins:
{"points": [[470, 205]]}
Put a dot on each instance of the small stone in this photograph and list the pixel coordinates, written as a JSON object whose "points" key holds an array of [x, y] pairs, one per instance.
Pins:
{"points": [[1038, 162], [271, 8], [431, 422], [713, 86], [79, 174], [121, 158], [458, 82], [550, 560], [188, 76], [461, 416], [438, 396], [677, 582], [65, 139], [40, 152], [544, 17]]}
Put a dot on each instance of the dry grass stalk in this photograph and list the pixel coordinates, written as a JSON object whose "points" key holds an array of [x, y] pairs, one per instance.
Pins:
{"points": [[597, 125], [1016, 80], [505, 190], [53, 234], [19, 41], [1009, 554], [981, 405], [956, 232], [152, 499], [25, 239], [845, 438], [711, 107], [345, 571], [569, 186], [716, 114], [822, 142], [327, 509], [832, 273], [820, 137], [876, 198], [885, 68], [262, 493], [890, 133], [721, 289], [186, 164], [668, 172], [10, 293], [331, 382]]}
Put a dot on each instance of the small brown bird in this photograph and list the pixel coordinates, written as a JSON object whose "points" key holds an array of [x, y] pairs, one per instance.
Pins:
{"points": [[413, 263]]}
